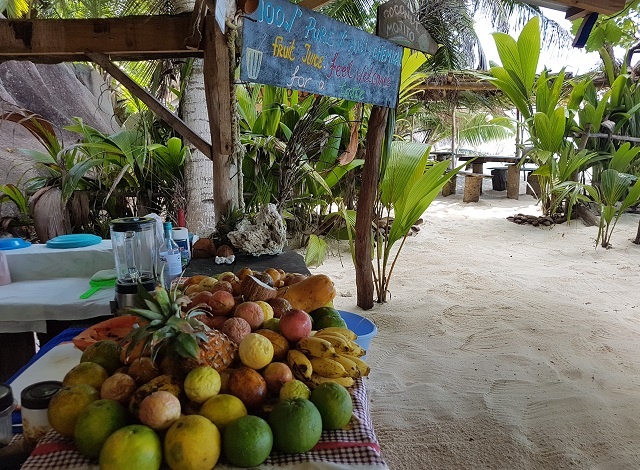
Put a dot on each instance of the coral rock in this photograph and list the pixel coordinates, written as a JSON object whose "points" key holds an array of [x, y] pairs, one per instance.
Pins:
{"points": [[266, 237]]}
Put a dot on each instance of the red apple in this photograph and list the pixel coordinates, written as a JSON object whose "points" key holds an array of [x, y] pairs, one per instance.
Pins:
{"points": [[295, 325]]}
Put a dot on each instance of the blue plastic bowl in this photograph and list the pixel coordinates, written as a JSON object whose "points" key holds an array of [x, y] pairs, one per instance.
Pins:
{"points": [[13, 243], [363, 327]]}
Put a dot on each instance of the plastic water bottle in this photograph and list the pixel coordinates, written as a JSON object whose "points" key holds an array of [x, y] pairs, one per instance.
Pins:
{"points": [[170, 257]]}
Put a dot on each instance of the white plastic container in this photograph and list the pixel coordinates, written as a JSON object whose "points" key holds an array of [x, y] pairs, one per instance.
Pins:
{"points": [[7, 405], [181, 237], [34, 401]]}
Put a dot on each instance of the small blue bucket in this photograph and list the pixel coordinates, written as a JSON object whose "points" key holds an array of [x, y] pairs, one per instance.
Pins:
{"points": [[363, 327]]}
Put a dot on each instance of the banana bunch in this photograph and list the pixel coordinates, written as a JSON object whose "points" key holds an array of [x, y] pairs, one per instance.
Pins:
{"points": [[330, 355]]}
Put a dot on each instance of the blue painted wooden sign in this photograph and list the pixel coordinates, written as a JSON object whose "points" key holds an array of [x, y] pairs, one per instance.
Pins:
{"points": [[296, 48]]}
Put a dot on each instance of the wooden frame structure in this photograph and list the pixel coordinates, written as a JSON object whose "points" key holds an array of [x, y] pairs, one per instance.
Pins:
{"points": [[197, 34]]}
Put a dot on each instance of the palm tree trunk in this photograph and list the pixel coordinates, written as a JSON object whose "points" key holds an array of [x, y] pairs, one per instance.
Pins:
{"points": [[200, 215]]}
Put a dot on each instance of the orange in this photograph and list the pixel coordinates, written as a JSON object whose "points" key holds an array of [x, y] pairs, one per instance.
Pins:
{"points": [[96, 423], [202, 383], [334, 404], [88, 373], [247, 441], [67, 404], [296, 425], [223, 409], [192, 443], [255, 351], [104, 352], [133, 447]]}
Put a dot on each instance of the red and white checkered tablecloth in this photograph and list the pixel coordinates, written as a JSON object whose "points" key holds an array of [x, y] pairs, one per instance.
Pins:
{"points": [[354, 447]]}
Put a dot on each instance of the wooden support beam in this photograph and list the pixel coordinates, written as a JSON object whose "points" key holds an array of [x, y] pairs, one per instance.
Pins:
{"points": [[154, 105], [217, 85], [127, 38], [575, 14], [366, 200], [197, 25]]}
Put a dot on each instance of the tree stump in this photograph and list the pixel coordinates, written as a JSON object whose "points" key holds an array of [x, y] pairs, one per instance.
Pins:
{"points": [[533, 185], [450, 187], [472, 188], [513, 182]]}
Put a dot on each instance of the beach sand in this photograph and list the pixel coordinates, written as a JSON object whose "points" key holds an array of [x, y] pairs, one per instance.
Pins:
{"points": [[505, 346]]}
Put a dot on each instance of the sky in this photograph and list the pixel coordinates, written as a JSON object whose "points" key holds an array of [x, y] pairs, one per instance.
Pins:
{"points": [[576, 60]]}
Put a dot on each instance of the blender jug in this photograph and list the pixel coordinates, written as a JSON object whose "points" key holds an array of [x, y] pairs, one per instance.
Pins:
{"points": [[134, 249]]}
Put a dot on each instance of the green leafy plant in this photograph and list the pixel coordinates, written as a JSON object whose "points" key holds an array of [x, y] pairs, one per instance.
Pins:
{"points": [[614, 196], [409, 184]]}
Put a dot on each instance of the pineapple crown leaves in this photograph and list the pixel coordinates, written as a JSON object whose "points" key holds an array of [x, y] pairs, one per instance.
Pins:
{"points": [[165, 325]]}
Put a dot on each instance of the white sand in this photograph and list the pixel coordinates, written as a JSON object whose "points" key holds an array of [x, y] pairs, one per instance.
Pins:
{"points": [[505, 346]]}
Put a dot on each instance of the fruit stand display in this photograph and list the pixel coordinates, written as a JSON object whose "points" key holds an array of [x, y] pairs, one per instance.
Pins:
{"points": [[239, 370]]}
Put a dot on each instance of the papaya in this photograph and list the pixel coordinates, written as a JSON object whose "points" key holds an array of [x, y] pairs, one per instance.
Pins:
{"points": [[310, 293]]}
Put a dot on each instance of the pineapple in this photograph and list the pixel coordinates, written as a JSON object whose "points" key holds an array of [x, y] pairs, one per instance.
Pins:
{"points": [[165, 329]]}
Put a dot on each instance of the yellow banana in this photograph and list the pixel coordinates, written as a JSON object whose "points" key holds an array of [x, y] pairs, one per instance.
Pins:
{"points": [[362, 366], [346, 332], [350, 366], [299, 364], [316, 380], [316, 347], [356, 349], [339, 342], [328, 367]]}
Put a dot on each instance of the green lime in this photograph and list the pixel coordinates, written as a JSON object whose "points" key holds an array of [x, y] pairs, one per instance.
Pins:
{"points": [[334, 404], [97, 421], [132, 448], [296, 425], [321, 312], [294, 389], [330, 320], [247, 441], [104, 352], [272, 324]]}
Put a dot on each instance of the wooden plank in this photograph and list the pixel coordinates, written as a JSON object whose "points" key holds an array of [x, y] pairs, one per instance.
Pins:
{"points": [[575, 14], [366, 200], [154, 105], [313, 4], [608, 7], [127, 38]]}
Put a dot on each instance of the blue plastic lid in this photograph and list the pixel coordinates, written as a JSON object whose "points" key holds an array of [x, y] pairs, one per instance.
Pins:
{"points": [[76, 240], [13, 243]]}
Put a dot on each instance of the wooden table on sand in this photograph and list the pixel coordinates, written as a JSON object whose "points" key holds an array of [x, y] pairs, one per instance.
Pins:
{"points": [[473, 180]]}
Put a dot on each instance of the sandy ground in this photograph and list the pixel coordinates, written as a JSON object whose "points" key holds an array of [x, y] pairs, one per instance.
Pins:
{"points": [[505, 346]]}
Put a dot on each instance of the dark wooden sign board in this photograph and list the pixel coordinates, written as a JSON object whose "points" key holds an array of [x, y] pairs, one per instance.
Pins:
{"points": [[398, 24], [292, 47]]}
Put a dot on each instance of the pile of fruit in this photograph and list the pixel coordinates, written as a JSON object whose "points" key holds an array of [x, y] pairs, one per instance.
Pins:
{"points": [[230, 367]]}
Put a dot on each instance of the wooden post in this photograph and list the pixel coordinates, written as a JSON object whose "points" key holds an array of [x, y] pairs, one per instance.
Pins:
{"points": [[513, 181], [217, 85], [366, 200]]}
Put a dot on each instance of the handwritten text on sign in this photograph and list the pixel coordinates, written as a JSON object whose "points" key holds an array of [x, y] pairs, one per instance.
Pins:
{"points": [[293, 47]]}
